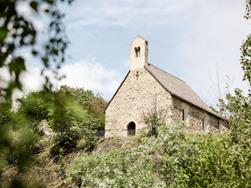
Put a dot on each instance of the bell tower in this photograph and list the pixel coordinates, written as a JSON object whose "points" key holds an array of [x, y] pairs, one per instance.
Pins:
{"points": [[138, 53]]}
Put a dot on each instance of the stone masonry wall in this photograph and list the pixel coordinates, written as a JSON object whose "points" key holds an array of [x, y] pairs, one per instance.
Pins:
{"points": [[196, 119], [136, 97]]}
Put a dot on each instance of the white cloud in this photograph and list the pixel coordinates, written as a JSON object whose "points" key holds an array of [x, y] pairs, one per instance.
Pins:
{"points": [[32, 79], [90, 75], [83, 74]]}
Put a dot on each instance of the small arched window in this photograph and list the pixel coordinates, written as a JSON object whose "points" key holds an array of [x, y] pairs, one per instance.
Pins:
{"points": [[137, 51], [131, 129]]}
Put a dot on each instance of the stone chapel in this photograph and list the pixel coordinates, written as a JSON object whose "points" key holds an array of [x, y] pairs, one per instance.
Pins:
{"points": [[147, 87]]}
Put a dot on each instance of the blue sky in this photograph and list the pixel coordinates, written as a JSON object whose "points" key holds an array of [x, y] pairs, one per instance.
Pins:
{"points": [[197, 40]]}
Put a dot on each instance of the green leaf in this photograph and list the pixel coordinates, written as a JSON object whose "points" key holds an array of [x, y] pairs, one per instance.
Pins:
{"points": [[17, 66], [3, 33], [34, 5]]}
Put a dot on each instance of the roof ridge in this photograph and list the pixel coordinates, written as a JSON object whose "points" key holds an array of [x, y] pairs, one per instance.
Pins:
{"points": [[166, 72]]}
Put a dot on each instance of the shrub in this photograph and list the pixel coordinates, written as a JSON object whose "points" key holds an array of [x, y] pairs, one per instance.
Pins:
{"points": [[36, 106], [154, 119], [73, 114], [73, 123], [172, 159], [116, 168]]}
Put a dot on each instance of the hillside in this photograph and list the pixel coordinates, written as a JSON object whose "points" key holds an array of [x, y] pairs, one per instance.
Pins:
{"points": [[172, 159], [64, 150]]}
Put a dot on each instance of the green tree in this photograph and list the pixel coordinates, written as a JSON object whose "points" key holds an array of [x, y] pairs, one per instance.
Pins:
{"points": [[18, 33], [238, 108], [77, 120], [155, 118]]}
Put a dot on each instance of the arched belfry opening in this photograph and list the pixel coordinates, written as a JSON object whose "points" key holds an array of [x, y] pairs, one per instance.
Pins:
{"points": [[131, 129], [137, 51]]}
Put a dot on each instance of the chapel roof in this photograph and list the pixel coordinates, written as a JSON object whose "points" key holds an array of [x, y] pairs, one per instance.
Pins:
{"points": [[178, 88]]}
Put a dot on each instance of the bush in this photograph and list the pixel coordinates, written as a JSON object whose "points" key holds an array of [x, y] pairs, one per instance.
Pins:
{"points": [[36, 106], [73, 123], [116, 168], [198, 161], [172, 159], [73, 114]]}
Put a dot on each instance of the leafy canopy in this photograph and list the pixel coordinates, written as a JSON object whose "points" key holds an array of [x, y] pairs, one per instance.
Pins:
{"points": [[17, 35]]}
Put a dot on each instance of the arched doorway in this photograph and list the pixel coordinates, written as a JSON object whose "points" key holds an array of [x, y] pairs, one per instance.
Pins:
{"points": [[131, 129]]}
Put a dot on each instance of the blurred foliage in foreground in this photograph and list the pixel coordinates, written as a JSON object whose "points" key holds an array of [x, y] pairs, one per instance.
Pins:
{"points": [[73, 125], [19, 36]]}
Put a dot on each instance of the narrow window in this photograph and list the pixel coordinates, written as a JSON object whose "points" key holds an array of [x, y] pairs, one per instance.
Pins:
{"points": [[218, 124], [203, 124], [183, 115], [131, 129], [137, 51]]}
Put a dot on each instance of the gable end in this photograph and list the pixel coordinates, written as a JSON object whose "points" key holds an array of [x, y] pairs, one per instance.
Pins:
{"points": [[117, 90]]}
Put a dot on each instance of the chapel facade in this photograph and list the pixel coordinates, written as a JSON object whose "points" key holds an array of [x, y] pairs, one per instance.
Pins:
{"points": [[145, 89]]}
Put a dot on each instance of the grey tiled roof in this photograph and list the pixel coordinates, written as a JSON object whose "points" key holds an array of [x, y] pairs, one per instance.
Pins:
{"points": [[178, 88]]}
